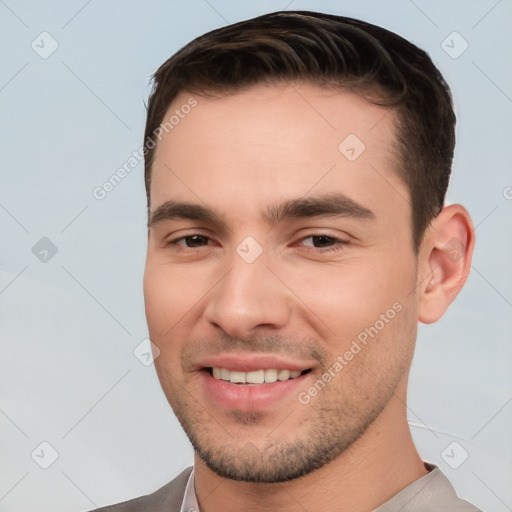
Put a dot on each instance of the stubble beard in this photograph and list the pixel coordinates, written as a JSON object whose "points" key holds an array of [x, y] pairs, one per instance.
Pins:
{"points": [[333, 421], [326, 434]]}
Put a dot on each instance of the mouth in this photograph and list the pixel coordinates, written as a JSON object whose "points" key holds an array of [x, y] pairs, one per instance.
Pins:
{"points": [[248, 383], [255, 377]]}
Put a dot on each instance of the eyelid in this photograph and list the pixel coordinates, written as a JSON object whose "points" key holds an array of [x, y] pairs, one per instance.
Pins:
{"points": [[339, 241], [175, 240], [335, 239], [341, 236], [185, 232]]}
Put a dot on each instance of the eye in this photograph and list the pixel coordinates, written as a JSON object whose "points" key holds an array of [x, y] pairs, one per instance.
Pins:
{"points": [[191, 241], [323, 242]]}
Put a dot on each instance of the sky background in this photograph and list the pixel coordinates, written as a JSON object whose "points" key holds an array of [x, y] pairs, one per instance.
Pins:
{"points": [[74, 77]]}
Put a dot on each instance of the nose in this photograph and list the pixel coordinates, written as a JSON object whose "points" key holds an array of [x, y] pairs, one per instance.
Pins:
{"points": [[249, 298]]}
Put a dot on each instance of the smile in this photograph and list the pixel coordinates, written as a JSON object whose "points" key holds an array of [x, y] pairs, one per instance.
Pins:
{"points": [[261, 376]]}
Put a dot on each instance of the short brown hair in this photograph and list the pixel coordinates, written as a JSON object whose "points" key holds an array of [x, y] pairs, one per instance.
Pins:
{"points": [[328, 50]]}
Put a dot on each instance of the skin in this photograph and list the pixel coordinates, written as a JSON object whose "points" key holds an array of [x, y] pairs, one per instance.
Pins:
{"points": [[319, 282]]}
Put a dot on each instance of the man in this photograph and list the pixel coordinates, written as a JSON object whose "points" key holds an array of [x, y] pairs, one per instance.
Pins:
{"points": [[296, 169]]}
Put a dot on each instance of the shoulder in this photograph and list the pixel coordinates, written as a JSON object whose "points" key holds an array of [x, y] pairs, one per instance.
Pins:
{"points": [[166, 499], [431, 493], [442, 496]]}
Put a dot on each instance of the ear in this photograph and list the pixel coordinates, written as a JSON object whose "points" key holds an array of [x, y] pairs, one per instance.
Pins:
{"points": [[444, 261]]}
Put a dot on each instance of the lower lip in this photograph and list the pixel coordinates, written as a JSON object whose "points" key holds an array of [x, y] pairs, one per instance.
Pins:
{"points": [[245, 397]]}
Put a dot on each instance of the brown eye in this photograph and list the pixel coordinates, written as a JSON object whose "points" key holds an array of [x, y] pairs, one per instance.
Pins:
{"points": [[192, 241], [323, 241]]}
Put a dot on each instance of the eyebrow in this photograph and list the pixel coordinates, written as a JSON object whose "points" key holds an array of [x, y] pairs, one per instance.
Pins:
{"points": [[181, 210], [325, 205], [334, 204]]}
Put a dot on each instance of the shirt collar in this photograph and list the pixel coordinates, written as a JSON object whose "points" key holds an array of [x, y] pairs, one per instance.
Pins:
{"points": [[189, 503]]}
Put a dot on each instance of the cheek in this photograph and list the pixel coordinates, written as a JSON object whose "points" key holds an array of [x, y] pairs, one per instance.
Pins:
{"points": [[169, 296], [350, 296], [166, 305]]}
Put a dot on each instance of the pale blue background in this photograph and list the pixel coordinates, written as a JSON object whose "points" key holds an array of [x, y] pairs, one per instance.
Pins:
{"points": [[69, 326]]}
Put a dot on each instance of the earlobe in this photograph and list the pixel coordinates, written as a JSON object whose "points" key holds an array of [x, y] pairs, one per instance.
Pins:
{"points": [[445, 261]]}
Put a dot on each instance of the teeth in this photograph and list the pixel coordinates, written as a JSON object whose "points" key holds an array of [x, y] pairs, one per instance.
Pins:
{"points": [[237, 377], [270, 375], [257, 377], [254, 377], [283, 375]]}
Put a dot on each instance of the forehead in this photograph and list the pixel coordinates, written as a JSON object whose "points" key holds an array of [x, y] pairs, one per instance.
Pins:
{"points": [[271, 142]]}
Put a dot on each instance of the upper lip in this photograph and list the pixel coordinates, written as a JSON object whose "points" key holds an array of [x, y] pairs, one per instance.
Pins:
{"points": [[251, 362]]}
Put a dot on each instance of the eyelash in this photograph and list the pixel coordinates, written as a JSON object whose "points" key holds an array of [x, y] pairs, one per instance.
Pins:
{"points": [[338, 242], [176, 240]]}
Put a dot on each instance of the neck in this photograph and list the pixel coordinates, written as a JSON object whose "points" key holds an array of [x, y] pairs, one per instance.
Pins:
{"points": [[382, 462]]}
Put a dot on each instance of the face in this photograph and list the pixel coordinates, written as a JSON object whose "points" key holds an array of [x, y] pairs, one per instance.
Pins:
{"points": [[279, 276]]}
